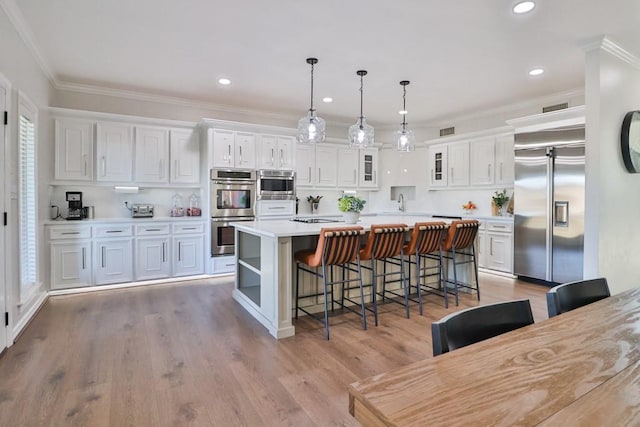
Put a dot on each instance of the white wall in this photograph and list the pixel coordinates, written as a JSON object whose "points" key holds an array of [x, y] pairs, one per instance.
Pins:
{"points": [[19, 67], [612, 235]]}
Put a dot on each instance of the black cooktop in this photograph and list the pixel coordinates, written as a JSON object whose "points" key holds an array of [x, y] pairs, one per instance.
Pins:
{"points": [[315, 220]]}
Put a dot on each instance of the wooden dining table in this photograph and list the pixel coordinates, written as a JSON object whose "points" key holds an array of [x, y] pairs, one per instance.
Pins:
{"points": [[580, 368]]}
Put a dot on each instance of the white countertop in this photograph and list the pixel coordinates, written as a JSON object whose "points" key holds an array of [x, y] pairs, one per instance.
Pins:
{"points": [[288, 228], [125, 220]]}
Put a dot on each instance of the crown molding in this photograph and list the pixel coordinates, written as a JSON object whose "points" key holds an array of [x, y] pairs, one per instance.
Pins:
{"points": [[610, 46], [24, 31], [568, 117]]}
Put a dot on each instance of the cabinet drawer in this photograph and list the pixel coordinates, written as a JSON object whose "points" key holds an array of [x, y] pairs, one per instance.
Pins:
{"points": [[266, 208], [505, 227], [223, 264], [113, 230], [152, 229], [70, 232], [197, 227]]}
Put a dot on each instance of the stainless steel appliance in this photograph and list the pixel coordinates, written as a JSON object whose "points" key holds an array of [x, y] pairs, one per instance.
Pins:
{"points": [[276, 185], [74, 199], [549, 204], [141, 211], [233, 194]]}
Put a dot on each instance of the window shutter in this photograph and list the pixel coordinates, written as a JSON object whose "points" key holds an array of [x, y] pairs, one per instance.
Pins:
{"points": [[27, 203]]}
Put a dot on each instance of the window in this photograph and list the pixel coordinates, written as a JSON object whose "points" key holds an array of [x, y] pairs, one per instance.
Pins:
{"points": [[27, 114]]}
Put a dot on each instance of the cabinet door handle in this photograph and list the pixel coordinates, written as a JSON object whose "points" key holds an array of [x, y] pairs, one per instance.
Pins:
{"points": [[240, 154], [319, 175], [84, 164], [281, 162], [104, 166], [70, 232], [452, 175], [103, 257], [354, 177], [499, 226], [175, 169], [489, 171], [272, 156], [179, 251], [229, 154], [161, 172], [189, 228], [500, 171], [151, 229], [164, 252], [113, 231], [84, 258], [275, 208], [491, 246], [309, 174]]}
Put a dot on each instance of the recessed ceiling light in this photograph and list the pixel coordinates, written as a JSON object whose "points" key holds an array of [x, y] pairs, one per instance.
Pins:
{"points": [[523, 7], [327, 99], [224, 81], [403, 112], [536, 72]]}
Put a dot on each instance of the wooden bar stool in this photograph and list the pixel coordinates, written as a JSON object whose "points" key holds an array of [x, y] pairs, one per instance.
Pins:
{"points": [[385, 243], [336, 247], [426, 244], [459, 247]]}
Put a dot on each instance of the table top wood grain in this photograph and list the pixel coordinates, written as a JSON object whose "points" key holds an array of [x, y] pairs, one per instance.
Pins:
{"points": [[584, 363]]}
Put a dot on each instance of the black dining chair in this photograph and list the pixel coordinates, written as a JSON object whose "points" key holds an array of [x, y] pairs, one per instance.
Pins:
{"points": [[479, 323], [569, 296]]}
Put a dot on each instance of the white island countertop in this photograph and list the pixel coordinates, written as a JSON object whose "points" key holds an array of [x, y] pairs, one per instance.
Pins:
{"points": [[288, 228]]}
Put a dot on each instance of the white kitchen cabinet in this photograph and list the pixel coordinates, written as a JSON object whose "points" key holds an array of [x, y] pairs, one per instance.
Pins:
{"points": [[482, 161], [114, 152], [458, 164], [438, 167], [113, 260], [276, 152], [185, 156], [504, 160], [499, 246], [305, 165], [188, 255], [232, 149], [151, 155], [73, 150], [348, 166], [368, 168], [326, 170], [70, 264], [188, 248], [480, 247], [152, 251]]}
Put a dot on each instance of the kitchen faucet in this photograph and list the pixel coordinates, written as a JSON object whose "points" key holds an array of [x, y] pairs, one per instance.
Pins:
{"points": [[401, 202]]}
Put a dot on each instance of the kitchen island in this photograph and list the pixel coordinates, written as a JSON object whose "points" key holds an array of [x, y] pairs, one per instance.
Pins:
{"points": [[266, 269]]}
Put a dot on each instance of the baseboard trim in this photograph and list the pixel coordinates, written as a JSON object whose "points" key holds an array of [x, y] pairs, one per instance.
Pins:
{"points": [[19, 327]]}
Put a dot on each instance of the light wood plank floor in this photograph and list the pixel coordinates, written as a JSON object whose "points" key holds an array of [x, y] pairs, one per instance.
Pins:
{"points": [[187, 354]]}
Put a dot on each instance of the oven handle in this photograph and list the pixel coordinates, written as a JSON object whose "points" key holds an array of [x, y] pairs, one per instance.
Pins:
{"points": [[232, 219]]}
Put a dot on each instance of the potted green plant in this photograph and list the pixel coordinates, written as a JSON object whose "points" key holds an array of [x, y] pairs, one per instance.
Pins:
{"points": [[499, 199], [351, 206]]}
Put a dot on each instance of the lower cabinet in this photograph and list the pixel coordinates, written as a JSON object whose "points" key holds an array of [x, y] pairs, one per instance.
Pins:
{"points": [[152, 258], [113, 261], [187, 255], [495, 246], [70, 264]]}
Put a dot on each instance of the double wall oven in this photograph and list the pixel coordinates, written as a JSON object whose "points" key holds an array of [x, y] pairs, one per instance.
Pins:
{"points": [[233, 194]]}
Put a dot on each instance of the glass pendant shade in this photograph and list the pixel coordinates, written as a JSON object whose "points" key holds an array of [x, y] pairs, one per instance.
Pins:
{"points": [[361, 134], [406, 140], [311, 128]]}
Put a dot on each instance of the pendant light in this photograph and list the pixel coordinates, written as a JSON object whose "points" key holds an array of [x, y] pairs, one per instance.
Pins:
{"points": [[405, 138], [361, 134], [311, 128]]}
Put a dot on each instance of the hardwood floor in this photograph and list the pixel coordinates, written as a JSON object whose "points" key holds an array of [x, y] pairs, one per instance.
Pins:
{"points": [[187, 354]]}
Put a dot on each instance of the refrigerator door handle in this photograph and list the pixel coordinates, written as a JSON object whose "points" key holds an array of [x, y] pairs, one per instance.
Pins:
{"points": [[561, 214]]}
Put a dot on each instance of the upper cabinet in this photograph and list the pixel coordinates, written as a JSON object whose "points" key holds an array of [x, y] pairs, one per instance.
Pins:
{"points": [[368, 166], [504, 159], [348, 166], [305, 165], [326, 169], [125, 152], [185, 156], [438, 165], [275, 152], [232, 149], [482, 161], [73, 150], [152, 155], [474, 162], [114, 152]]}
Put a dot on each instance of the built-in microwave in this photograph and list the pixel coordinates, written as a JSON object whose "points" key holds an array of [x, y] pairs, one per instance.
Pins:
{"points": [[276, 185]]}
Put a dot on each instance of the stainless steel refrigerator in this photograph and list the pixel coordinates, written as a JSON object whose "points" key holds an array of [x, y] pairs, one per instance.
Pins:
{"points": [[549, 205]]}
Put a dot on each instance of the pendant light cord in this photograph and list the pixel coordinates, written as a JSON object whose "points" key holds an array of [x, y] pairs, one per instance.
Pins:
{"points": [[404, 107], [312, 110], [361, 92]]}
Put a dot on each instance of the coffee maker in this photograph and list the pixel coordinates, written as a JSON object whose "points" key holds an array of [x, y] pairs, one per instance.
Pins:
{"points": [[74, 198]]}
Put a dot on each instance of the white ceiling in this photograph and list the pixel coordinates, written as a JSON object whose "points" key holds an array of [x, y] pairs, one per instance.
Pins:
{"points": [[460, 56]]}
